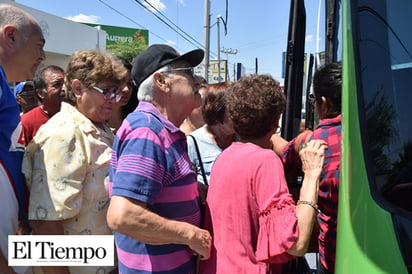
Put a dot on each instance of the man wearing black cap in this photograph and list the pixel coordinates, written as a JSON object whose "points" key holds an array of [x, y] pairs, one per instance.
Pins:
{"points": [[154, 208]]}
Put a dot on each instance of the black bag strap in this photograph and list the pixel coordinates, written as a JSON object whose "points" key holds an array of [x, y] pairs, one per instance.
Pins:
{"points": [[200, 160]]}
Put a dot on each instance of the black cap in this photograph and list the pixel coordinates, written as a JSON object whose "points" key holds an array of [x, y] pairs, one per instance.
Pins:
{"points": [[157, 56]]}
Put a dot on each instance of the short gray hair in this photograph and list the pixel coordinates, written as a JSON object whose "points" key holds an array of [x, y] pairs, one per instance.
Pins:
{"points": [[10, 15], [146, 88]]}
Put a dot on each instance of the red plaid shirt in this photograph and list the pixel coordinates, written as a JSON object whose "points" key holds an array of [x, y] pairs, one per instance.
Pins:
{"points": [[330, 131]]}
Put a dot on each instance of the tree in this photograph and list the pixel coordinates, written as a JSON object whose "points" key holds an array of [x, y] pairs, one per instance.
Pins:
{"points": [[129, 50]]}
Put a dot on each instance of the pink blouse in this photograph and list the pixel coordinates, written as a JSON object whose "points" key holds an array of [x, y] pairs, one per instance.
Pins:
{"points": [[250, 212]]}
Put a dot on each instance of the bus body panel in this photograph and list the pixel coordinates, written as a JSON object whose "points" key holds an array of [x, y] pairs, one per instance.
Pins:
{"points": [[366, 241]]}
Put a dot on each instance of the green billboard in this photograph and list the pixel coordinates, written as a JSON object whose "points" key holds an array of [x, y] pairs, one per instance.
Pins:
{"points": [[117, 35], [124, 42]]}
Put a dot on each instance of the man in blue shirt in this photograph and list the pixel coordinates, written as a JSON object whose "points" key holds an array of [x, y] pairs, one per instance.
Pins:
{"points": [[21, 52]]}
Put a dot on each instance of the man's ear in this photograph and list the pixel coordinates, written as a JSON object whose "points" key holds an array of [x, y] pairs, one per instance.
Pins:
{"points": [[10, 35], [39, 93], [161, 81]]}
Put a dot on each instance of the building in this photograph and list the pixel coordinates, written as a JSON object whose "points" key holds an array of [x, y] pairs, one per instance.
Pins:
{"points": [[63, 36]]}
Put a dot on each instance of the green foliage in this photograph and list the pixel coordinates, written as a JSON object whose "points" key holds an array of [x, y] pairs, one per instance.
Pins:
{"points": [[129, 50]]}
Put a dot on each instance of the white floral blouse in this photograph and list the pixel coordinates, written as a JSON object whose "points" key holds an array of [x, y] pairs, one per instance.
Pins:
{"points": [[67, 171]]}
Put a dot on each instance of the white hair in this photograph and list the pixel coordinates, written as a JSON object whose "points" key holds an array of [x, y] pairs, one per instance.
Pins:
{"points": [[146, 88]]}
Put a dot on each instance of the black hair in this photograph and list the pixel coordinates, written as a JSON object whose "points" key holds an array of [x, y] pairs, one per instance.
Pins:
{"points": [[39, 79], [133, 102], [327, 82]]}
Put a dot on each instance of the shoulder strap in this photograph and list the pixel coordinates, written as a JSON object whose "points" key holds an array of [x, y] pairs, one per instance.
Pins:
{"points": [[200, 159]]}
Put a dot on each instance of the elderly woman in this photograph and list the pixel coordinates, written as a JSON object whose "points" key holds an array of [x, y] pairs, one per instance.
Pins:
{"points": [[256, 225], [67, 164]]}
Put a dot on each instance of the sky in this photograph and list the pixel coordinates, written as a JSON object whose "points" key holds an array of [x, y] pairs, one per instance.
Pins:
{"points": [[256, 30]]}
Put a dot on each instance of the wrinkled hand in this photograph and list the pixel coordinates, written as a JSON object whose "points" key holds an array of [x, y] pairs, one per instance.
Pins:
{"points": [[312, 155], [201, 243]]}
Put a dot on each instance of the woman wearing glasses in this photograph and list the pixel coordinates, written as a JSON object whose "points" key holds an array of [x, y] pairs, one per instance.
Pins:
{"points": [[67, 164]]}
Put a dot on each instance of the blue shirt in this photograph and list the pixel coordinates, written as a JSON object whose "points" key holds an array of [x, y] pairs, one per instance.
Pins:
{"points": [[208, 152], [12, 144]]}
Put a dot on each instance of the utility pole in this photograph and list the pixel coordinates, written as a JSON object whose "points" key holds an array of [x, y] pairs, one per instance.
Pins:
{"points": [[206, 38], [256, 65], [227, 52], [218, 17]]}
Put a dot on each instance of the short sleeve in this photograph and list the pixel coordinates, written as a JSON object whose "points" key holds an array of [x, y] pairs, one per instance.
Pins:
{"points": [[55, 169], [278, 232], [141, 168]]}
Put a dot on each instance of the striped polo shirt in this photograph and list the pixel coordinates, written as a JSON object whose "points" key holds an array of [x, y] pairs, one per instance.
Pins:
{"points": [[150, 164]]}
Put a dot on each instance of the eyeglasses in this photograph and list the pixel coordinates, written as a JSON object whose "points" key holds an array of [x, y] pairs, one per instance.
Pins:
{"points": [[190, 70], [313, 98], [109, 95]]}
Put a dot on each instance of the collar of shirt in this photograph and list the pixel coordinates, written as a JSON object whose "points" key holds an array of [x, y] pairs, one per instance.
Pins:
{"points": [[150, 108], [330, 121], [85, 124]]}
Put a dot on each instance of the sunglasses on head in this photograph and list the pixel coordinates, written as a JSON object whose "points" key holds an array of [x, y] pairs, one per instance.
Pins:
{"points": [[313, 98]]}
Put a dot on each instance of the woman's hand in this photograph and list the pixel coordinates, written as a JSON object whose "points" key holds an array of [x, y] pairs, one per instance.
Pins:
{"points": [[312, 155]]}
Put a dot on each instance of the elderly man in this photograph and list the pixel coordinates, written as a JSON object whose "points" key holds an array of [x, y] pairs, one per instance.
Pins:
{"points": [[154, 209], [21, 52], [49, 88]]}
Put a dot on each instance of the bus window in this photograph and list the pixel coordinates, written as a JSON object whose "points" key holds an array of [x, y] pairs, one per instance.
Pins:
{"points": [[385, 62], [386, 92]]}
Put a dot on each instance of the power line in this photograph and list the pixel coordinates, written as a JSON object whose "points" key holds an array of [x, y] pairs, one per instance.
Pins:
{"points": [[165, 17], [131, 20], [163, 21], [143, 27], [186, 36]]}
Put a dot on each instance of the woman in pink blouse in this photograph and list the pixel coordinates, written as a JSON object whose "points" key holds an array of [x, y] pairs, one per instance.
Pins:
{"points": [[255, 223]]}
